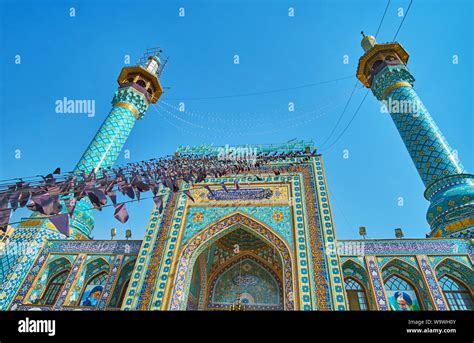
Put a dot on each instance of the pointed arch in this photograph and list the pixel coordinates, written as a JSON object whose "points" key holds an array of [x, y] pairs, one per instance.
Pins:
{"points": [[59, 257], [196, 244], [352, 269], [123, 292], [94, 275], [357, 263], [356, 294], [57, 271], [456, 268], [455, 280], [121, 284], [398, 260], [412, 276], [94, 266], [230, 264]]}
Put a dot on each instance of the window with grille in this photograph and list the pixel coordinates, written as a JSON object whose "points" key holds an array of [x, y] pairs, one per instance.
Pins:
{"points": [[356, 295], [53, 288], [395, 283], [457, 295]]}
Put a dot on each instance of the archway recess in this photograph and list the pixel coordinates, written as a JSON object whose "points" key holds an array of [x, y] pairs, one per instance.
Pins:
{"points": [[260, 242]]}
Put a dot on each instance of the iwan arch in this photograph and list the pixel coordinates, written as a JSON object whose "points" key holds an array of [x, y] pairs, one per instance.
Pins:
{"points": [[280, 261], [266, 219]]}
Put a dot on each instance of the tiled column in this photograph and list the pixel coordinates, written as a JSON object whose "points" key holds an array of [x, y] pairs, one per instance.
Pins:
{"points": [[76, 267], [107, 292], [203, 270], [375, 278], [430, 278]]}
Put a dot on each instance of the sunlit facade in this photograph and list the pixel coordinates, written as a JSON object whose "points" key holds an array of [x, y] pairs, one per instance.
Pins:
{"points": [[269, 244]]}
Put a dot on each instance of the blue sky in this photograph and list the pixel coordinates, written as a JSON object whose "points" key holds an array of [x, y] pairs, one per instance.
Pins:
{"points": [[80, 58]]}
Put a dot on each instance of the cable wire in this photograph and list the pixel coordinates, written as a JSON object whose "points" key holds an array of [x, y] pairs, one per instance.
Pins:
{"points": [[262, 92], [349, 123], [383, 17], [340, 116], [403, 20]]}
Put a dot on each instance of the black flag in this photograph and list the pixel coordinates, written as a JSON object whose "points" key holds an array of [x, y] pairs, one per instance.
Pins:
{"points": [[159, 203], [121, 213], [61, 221]]}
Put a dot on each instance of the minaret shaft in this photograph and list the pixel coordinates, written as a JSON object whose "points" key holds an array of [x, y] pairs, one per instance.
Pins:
{"points": [[109, 140], [104, 149], [428, 148], [448, 188]]}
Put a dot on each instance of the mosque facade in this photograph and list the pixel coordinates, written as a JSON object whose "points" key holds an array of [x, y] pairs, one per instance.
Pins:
{"points": [[269, 244]]}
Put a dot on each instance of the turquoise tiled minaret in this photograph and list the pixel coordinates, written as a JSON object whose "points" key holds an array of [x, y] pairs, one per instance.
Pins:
{"points": [[138, 88], [129, 104], [449, 188]]}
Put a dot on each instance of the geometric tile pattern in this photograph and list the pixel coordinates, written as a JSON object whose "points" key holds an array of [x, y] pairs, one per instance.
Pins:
{"points": [[331, 256], [421, 261], [109, 140], [54, 265], [430, 278], [70, 280], [463, 259], [387, 77], [198, 244], [223, 250], [203, 277], [451, 210], [155, 234], [404, 270], [405, 246], [93, 265], [81, 252], [377, 284], [263, 213], [429, 150], [19, 255], [110, 283], [123, 278], [457, 270], [319, 274], [382, 261], [354, 269], [184, 214], [451, 213], [105, 147], [255, 278]]}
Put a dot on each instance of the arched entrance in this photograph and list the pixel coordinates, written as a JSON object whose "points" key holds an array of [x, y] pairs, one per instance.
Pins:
{"points": [[237, 267], [357, 285], [235, 256], [404, 286]]}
